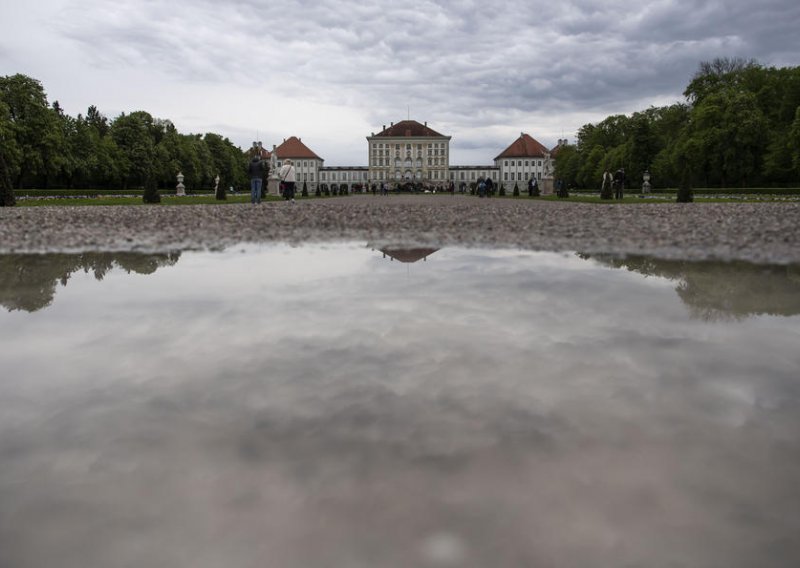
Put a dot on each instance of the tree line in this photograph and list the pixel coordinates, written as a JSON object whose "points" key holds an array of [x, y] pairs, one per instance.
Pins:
{"points": [[43, 147], [739, 127]]}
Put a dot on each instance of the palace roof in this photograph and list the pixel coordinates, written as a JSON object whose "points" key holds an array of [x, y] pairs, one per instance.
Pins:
{"points": [[293, 148], [409, 129], [524, 147]]}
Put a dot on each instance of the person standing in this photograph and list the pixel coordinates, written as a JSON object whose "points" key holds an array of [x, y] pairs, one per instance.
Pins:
{"points": [[606, 191], [619, 183], [256, 169], [287, 176]]}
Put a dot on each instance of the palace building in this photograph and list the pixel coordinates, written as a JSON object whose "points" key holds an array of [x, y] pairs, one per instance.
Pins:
{"points": [[412, 152]]}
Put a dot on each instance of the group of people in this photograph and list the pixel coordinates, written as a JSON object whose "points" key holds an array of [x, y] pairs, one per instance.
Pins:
{"points": [[613, 183], [256, 169]]}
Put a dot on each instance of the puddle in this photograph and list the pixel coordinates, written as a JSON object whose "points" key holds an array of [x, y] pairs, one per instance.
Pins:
{"points": [[346, 406]]}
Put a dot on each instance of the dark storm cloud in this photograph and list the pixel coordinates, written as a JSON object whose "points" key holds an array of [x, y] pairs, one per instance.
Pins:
{"points": [[463, 65]]}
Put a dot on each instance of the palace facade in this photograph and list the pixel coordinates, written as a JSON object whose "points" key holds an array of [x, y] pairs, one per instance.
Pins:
{"points": [[412, 152]]}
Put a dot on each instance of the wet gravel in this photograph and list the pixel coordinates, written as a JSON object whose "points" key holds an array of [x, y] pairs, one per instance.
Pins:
{"points": [[758, 232]]}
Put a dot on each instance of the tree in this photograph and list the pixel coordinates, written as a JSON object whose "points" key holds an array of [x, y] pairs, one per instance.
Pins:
{"points": [[304, 193], [131, 133], [711, 75], [33, 123], [9, 156], [515, 193]]}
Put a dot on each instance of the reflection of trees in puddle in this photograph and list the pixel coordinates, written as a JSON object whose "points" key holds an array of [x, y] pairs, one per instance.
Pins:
{"points": [[715, 290], [28, 281]]}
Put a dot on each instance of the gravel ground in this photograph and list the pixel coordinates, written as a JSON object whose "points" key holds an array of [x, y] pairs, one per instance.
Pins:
{"points": [[758, 232]]}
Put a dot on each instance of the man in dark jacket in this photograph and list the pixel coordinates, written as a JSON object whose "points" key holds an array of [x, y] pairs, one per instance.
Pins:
{"points": [[619, 183], [256, 169]]}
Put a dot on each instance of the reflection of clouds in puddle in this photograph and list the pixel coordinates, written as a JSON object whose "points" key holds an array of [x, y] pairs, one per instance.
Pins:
{"points": [[492, 408]]}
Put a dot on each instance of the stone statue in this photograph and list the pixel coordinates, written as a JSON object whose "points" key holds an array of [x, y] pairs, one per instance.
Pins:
{"points": [[180, 189]]}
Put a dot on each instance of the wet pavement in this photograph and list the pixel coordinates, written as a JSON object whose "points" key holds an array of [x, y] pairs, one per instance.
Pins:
{"points": [[354, 404]]}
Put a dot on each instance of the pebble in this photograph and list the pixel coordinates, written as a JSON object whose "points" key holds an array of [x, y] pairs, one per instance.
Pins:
{"points": [[756, 232]]}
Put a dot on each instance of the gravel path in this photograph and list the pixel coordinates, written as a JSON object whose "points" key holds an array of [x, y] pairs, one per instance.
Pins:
{"points": [[760, 232]]}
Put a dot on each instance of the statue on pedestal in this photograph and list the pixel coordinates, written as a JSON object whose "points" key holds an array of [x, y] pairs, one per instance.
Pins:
{"points": [[180, 189]]}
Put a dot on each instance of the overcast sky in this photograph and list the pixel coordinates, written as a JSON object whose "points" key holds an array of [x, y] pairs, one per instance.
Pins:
{"points": [[334, 71]]}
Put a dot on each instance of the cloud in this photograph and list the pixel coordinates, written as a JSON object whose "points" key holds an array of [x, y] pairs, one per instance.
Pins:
{"points": [[505, 67]]}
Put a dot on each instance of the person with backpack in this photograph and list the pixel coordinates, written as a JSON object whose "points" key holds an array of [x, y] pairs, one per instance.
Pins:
{"points": [[481, 188], [288, 177], [256, 170]]}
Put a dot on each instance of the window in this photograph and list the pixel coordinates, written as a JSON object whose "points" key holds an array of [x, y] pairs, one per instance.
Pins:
{"points": [[526, 163], [539, 175], [505, 162], [519, 162], [312, 176], [519, 176], [505, 176]]}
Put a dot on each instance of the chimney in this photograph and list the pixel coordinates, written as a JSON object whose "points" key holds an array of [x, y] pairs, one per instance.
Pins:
{"points": [[426, 123], [384, 127], [522, 135], [392, 123], [299, 139]]}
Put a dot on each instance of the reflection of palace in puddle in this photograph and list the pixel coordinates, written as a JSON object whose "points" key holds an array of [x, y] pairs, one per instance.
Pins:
{"points": [[715, 290], [407, 255], [28, 281]]}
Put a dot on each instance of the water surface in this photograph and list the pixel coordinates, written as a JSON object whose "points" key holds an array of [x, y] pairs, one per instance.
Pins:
{"points": [[346, 406]]}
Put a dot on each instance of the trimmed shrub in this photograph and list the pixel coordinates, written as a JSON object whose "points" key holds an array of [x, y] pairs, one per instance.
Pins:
{"points": [[220, 194], [516, 190], [304, 193], [151, 194], [685, 194]]}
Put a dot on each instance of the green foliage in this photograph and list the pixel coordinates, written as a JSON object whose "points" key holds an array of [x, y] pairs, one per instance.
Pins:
{"points": [[8, 157], [502, 192], [304, 193], [739, 128], [318, 191], [515, 193], [43, 147]]}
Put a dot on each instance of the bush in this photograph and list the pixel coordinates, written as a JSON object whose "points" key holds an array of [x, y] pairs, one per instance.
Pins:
{"points": [[151, 194], [304, 193], [502, 192], [516, 190], [685, 194], [220, 194], [318, 191]]}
